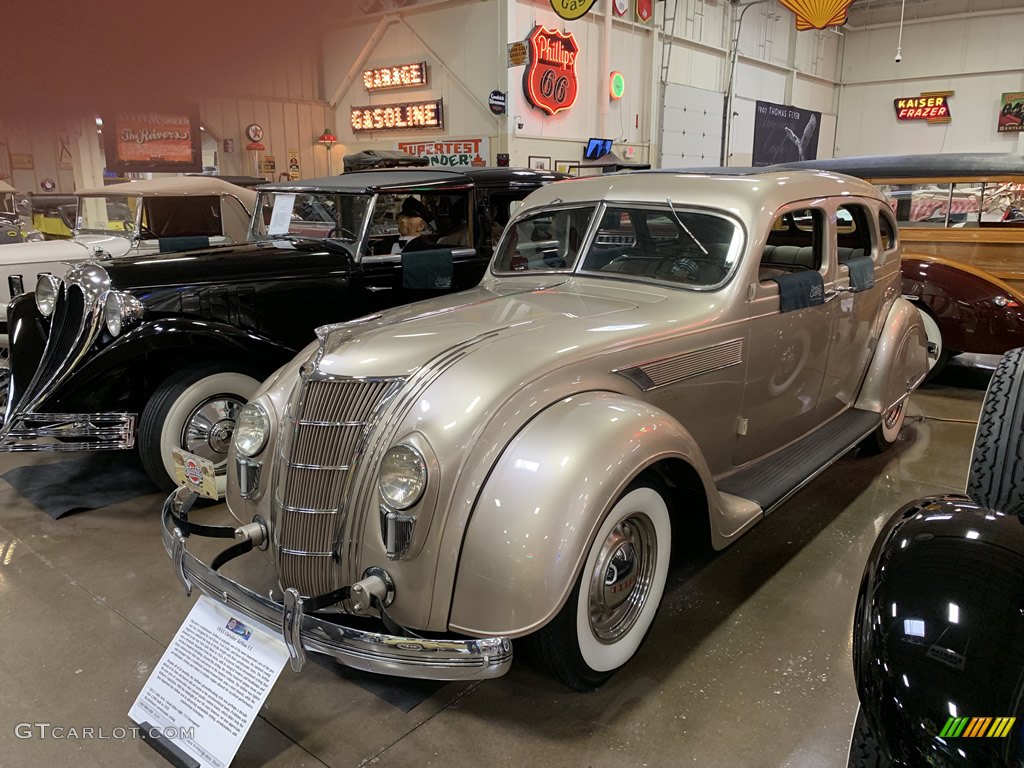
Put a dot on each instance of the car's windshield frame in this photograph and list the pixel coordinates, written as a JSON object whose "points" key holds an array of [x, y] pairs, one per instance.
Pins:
{"points": [[130, 234], [255, 235], [598, 210]]}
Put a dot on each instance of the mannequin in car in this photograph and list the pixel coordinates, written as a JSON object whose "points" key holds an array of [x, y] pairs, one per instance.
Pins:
{"points": [[413, 221]]}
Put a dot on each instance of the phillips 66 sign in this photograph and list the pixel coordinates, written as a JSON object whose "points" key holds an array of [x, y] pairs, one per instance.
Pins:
{"points": [[550, 80]]}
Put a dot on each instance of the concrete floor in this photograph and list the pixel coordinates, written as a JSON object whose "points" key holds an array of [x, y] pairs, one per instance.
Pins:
{"points": [[748, 662]]}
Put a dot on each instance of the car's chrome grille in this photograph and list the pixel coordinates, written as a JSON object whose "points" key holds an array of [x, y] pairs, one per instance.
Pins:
{"points": [[326, 422], [67, 336]]}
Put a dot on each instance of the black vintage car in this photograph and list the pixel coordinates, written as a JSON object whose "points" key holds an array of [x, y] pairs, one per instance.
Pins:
{"points": [[165, 349], [938, 643]]}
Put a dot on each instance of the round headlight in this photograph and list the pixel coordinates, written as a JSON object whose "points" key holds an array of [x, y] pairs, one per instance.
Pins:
{"points": [[121, 310], [113, 311], [46, 294], [403, 476], [34, 236], [251, 430]]}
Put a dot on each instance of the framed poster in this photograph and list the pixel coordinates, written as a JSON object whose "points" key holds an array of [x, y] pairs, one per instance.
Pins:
{"points": [[1011, 113], [538, 163], [570, 167], [784, 134], [157, 142]]}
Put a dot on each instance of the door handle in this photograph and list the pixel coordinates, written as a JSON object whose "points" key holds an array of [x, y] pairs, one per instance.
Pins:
{"points": [[831, 293], [375, 288]]}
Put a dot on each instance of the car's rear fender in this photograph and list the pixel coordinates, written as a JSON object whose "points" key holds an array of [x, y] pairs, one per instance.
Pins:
{"points": [[900, 361]]}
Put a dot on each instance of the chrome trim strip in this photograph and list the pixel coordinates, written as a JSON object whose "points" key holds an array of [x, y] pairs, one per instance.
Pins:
{"points": [[69, 431], [316, 423], [446, 658], [303, 553], [672, 369]]}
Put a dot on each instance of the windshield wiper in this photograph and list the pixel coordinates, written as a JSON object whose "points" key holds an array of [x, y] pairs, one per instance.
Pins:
{"points": [[686, 229]]}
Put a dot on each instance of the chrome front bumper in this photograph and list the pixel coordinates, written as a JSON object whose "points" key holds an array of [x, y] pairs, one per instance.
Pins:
{"points": [[429, 659], [68, 432]]}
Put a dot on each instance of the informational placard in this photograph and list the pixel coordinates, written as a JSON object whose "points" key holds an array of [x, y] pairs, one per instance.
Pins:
{"points": [[161, 142], [209, 685], [784, 134], [281, 215], [518, 54], [293, 164], [454, 153]]}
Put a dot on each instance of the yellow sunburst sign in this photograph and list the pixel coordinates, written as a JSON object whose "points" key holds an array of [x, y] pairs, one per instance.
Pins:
{"points": [[818, 14]]}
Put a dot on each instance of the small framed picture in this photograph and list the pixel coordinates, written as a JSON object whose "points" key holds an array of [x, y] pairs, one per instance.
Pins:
{"points": [[538, 163], [570, 167]]}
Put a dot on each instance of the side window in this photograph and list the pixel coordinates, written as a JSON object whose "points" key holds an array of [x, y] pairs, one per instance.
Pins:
{"points": [[795, 242], [887, 229], [429, 219], [853, 232], [181, 217]]}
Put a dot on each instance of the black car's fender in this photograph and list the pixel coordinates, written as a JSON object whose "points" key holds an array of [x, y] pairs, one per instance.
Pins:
{"points": [[156, 349], [939, 635]]}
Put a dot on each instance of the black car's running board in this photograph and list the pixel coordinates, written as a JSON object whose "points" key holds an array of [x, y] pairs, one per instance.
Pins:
{"points": [[771, 481]]}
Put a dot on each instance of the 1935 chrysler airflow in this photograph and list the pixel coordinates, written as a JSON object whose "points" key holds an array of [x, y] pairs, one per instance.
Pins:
{"points": [[649, 353], [166, 348]]}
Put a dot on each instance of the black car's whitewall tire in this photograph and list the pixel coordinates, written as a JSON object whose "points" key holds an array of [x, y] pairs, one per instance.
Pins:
{"points": [[195, 410], [616, 597], [996, 476]]}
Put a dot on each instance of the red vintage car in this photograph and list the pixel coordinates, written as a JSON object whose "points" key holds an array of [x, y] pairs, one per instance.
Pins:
{"points": [[961, 222]]}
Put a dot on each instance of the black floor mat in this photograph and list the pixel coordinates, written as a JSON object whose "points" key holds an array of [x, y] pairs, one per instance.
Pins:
{"points": [[89, 482]]}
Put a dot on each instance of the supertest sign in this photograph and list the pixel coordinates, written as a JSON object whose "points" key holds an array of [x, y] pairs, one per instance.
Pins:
{"points": [[932, 107], [453, 153]]}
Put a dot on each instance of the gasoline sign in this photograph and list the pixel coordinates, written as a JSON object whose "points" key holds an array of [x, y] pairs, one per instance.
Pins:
{"points": [[496, 102]]}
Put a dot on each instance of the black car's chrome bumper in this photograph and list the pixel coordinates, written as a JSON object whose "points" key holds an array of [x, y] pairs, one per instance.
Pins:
{"points": [[431, 659], [68, 432]]}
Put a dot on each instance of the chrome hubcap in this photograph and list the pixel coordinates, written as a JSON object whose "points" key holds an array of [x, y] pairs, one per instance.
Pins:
{"points": [[892, 416], [208, 429], [621, 581]]}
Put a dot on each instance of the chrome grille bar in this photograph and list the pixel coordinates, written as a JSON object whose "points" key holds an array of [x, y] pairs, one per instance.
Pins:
{"points": [[324, 430]]}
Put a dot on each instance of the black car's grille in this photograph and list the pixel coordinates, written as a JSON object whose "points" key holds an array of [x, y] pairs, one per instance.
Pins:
{"points": [[323, 431], [71, 331]]}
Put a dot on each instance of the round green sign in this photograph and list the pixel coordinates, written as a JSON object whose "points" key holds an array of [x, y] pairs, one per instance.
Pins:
{"points": [[616, 86]]}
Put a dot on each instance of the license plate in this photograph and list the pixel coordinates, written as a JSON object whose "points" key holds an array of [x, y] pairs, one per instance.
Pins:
{"points": [[195, 473]]}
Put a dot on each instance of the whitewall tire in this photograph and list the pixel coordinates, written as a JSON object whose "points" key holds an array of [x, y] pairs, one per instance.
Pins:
{"points": [[616, 597], [194, 410]]}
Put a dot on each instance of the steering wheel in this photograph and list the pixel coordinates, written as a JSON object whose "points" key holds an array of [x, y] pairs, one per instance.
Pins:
{"points": [[343, 231]]}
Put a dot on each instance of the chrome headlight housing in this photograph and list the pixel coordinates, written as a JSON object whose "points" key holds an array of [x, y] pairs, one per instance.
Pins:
{"points": [[47, 290], [251, 430], [34, 236], [402, 477], [121, 310]]}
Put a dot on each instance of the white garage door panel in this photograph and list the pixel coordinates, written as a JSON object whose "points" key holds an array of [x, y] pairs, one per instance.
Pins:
{"points": [[691, 127]]}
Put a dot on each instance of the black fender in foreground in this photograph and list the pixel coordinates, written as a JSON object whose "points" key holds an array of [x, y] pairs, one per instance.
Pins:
{"points": [[157, 348], [939, 635]]}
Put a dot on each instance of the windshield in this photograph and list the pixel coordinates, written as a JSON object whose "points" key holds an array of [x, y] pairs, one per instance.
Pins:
{"points": [[108, 214], [544, 241], [671, 244], [319, 215], [7, 202]]}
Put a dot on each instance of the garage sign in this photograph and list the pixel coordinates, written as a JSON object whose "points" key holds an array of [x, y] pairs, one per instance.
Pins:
{"points": [[550, 80]]}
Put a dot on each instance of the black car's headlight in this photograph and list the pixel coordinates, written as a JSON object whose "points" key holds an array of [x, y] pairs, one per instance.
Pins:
{"points": [[402, 477], [120, 311], [251, 430], [47, 289]]}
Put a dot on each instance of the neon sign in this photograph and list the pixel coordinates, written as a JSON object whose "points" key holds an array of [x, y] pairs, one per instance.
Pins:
{"points": [[550, 80], [398, 117], [932, 107], [400, 76]]}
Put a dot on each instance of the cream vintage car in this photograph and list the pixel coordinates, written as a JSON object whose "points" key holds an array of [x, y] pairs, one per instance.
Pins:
{"points": [[650, 356]]}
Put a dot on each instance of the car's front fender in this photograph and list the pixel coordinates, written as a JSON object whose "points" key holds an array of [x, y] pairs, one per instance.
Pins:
{"points": [[537, 513], [900, 361]]}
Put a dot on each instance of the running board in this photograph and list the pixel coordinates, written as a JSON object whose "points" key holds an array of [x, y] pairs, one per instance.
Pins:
{"points": [[771, 481]]}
